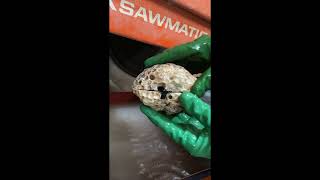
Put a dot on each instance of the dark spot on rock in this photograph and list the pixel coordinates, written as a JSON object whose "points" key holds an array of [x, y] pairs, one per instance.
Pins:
{"points": [[164, 94], [161, 88], [152, 77], [170, 97]]}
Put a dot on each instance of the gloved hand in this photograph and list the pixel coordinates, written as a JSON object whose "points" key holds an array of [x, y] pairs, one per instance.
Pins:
{"points": [[191, 128], [198, 50]]}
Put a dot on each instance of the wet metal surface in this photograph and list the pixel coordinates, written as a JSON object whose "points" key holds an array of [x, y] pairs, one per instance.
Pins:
{"points": [[119, 81], [139, 150]]}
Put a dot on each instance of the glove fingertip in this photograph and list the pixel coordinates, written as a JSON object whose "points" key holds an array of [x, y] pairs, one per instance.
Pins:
{"points": [[152, 114], [186, 96], [142, 107], [146, 63], [197, 90], [149, 113], [145, 109]]}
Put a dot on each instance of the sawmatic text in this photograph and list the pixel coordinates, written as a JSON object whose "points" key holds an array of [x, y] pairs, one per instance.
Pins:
{"points": [[128, 8]]}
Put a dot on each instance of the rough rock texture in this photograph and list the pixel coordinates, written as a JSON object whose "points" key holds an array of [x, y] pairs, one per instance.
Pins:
{"points": [[160, 86]]}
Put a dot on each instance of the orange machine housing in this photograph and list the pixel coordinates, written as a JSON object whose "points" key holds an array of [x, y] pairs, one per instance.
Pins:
{"points": [[163, 23], [159, 22]]}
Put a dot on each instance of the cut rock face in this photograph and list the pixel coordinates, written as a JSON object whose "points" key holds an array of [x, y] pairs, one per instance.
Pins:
{"points": [[160, 86]]}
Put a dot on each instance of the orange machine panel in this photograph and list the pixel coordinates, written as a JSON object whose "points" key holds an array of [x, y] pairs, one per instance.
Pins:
{"points": [[201, 8], [156, 22], [207, 178]]}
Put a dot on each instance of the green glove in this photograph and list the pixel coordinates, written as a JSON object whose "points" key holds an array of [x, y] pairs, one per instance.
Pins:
{"points": [[200, 48], [190, 129], [198, 51]]}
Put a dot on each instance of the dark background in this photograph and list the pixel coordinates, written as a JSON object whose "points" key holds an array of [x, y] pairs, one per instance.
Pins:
{"points": [[55, 94]]}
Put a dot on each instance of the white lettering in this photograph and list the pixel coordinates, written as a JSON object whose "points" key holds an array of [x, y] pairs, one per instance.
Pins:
{"points": [[111, 5], [169, 23], [184, 28], [202, 33], [123, 7], [156, 17], [191, 32], [143, 15], [127, 8], [196, 36]]}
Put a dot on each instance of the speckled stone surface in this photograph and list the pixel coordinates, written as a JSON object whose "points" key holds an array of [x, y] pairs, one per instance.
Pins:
{"points": [[160, 86]]}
